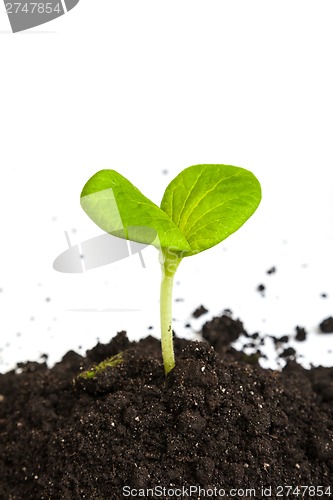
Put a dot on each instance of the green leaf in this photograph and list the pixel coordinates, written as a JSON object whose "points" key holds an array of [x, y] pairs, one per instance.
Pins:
{"points": [[119, 208], [210, 202]]}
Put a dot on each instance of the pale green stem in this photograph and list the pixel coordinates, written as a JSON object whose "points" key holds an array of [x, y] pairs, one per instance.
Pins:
{"points": [[169, 266], [166, 323]]}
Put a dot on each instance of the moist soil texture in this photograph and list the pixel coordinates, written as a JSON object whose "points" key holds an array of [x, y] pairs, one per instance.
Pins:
{"points": [[218, 422]]}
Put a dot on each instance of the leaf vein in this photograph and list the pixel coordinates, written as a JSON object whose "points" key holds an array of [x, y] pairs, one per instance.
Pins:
{"points": [[189, 229], [202, 227], [204, 196], [189, 194]]}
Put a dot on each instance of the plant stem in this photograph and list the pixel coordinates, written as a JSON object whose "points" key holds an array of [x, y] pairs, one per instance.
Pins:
{"points": [[169, 263], [166, 323]]}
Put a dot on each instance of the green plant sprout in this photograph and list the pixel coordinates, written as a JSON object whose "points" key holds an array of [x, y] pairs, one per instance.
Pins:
{"points": [[111, 362], [201, 207]]}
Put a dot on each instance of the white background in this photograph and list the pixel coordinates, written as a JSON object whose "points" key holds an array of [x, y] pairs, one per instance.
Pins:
{"points": [[143, 86]]}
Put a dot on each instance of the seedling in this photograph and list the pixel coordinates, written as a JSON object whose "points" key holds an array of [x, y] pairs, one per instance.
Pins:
{"points": [[115, 360], [201, 207]]}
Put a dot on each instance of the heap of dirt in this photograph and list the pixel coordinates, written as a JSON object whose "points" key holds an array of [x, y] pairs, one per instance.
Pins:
{"points": [[218, 420]]}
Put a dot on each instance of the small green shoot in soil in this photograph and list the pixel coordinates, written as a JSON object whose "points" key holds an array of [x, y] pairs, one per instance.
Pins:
{"points": [[115, 360], [201, 207]]}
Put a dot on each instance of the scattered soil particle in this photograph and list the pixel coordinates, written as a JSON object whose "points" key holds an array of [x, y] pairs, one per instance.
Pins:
{"points": [[261, 288], [288, 352], [221, 331], [280, 340], [324, 295], [326, 326], [272, 270], [284, 339], [251, 345], [200, 311], [217, 420], [301, 334]]}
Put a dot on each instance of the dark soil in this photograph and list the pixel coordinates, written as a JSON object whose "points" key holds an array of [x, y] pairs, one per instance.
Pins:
{"points": [[217, 421], [200, 311], [301, 334], [326, 326]]}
